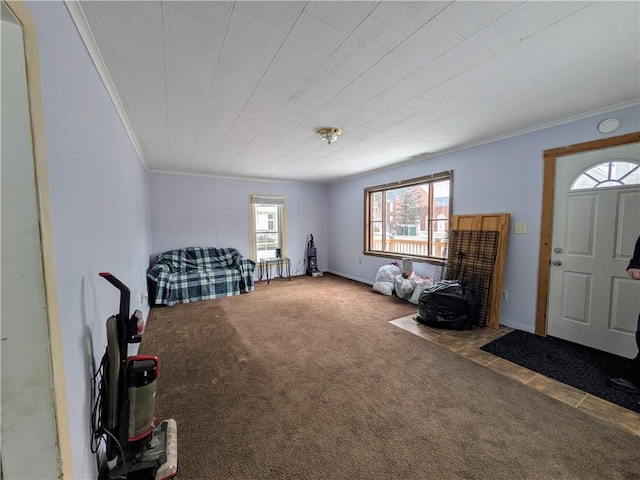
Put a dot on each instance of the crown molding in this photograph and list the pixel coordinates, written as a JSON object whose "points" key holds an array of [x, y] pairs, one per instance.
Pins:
{"points": [[77, 14]]}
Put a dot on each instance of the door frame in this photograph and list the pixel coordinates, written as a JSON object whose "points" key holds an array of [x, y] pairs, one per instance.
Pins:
{"points": [[551, 157], [36, 112]]}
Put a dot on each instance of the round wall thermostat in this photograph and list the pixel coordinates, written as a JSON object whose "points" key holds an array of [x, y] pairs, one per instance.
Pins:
{"points": [[609, 125]]}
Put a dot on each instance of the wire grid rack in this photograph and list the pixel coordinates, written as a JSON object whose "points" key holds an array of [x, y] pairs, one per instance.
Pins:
{"points": [[471, 255]]}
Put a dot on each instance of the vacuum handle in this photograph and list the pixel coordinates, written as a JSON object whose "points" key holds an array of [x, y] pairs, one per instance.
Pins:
{"points": [[125, 294]]}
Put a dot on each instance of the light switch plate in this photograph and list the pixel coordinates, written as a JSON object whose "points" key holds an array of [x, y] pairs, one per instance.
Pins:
{"points": [[520, 228]]}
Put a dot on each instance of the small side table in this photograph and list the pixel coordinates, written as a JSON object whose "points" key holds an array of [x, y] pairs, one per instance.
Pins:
{"points": [[282, 264]]}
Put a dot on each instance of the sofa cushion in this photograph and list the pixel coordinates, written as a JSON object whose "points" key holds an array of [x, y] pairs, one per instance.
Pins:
{"points": [[203, 285]]}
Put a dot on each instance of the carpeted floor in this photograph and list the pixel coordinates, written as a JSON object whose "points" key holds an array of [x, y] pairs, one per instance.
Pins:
{"points": [[308, 380], [581, 367]]}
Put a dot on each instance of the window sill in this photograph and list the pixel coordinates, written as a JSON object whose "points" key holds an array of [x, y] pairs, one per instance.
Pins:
{"points": [[414, 258]]}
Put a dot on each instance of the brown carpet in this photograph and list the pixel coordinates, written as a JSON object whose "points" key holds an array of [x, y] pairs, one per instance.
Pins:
{"points": [[308, 380]]}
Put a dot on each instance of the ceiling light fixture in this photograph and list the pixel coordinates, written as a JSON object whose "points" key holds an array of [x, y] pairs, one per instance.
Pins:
{"points": [[330, 134]]}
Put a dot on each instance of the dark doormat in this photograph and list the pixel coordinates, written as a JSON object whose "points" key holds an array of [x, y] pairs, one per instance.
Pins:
{"points": [[576, 365]]}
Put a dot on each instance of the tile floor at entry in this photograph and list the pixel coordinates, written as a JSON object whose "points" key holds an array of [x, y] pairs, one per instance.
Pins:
{"points": [[468, 342]]}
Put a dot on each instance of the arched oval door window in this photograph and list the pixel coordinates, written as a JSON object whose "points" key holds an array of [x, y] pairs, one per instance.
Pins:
{"points": [[614, 173]]}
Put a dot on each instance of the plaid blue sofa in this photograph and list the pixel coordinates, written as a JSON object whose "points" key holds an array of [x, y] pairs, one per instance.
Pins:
{"points": [[196, 273]]}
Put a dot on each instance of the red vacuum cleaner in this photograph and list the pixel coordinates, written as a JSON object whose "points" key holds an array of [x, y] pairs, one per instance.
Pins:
{"points": [[137, 448]]}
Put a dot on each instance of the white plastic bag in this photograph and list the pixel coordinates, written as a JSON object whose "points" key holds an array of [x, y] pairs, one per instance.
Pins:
{"points": [[385, 279], [421, 284], [404, 287]]}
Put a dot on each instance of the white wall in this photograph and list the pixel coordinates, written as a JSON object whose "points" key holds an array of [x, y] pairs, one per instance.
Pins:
{"points": [[100, 210], [214, 212], [28, 422], [503, 176]]}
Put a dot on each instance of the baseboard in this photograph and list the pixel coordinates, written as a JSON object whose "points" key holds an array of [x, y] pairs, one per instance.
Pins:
{"points": [[350, 277], [517, 325]]}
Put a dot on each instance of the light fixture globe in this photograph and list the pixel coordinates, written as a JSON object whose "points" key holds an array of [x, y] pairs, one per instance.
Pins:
{"points": [[329, 134]]}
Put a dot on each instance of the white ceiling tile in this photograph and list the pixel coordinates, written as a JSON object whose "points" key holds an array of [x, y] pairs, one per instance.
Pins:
{"points": [[525, 75], [141, 77], [196, 84], [468, 80], [215, 12], [370, 84], [407, 17], [186, 33], [537, 46], [531, 17], [135, 25], [599, 16], [280, 13], [411, 55], [594, 98], [629, 30], [429, 76], [447, 108], [306, 48], [249, 48], [346, 18], [484, 44], [468, 18], [426, 45], [420, 119], [604, 49], [364, 48]]}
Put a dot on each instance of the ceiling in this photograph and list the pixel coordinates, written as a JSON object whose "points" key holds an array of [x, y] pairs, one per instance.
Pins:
{"points": [[239, 88]]}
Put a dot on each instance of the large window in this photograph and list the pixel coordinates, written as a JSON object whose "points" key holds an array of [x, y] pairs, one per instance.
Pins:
{"points": [[267, 226], [409, 218]]}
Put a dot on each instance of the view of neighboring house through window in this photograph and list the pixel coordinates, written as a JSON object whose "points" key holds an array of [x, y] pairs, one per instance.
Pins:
{"points": [[409, 218], [267, 226]]}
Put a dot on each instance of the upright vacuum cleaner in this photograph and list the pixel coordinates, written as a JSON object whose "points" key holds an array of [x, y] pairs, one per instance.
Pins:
{"points": [[136, 447], [312, 259]]}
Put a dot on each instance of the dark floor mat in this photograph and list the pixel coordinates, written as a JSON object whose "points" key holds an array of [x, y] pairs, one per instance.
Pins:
{"points": [[581, 367]]}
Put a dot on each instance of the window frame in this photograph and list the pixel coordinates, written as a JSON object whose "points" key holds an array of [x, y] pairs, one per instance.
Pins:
{"points": [[598, 184], [267, 199], [368, 221]]}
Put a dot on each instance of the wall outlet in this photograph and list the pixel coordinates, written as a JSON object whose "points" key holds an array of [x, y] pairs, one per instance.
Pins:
{"points": [[505, 294], [360, 260], [144, 296]]}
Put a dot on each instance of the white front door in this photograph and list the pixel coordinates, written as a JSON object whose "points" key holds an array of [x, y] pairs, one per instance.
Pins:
{"points": [[596, 222]]}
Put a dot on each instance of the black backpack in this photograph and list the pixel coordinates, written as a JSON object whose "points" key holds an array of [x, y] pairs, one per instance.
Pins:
{"points": [[447, 304]]}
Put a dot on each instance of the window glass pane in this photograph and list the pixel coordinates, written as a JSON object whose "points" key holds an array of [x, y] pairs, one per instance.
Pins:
{"points": [[620, 169], [407, 226], [376, 206], [583, 182], [632, 178], [439, 236], [627, 172], [441, 198], [599, 172], [375, 239]]}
